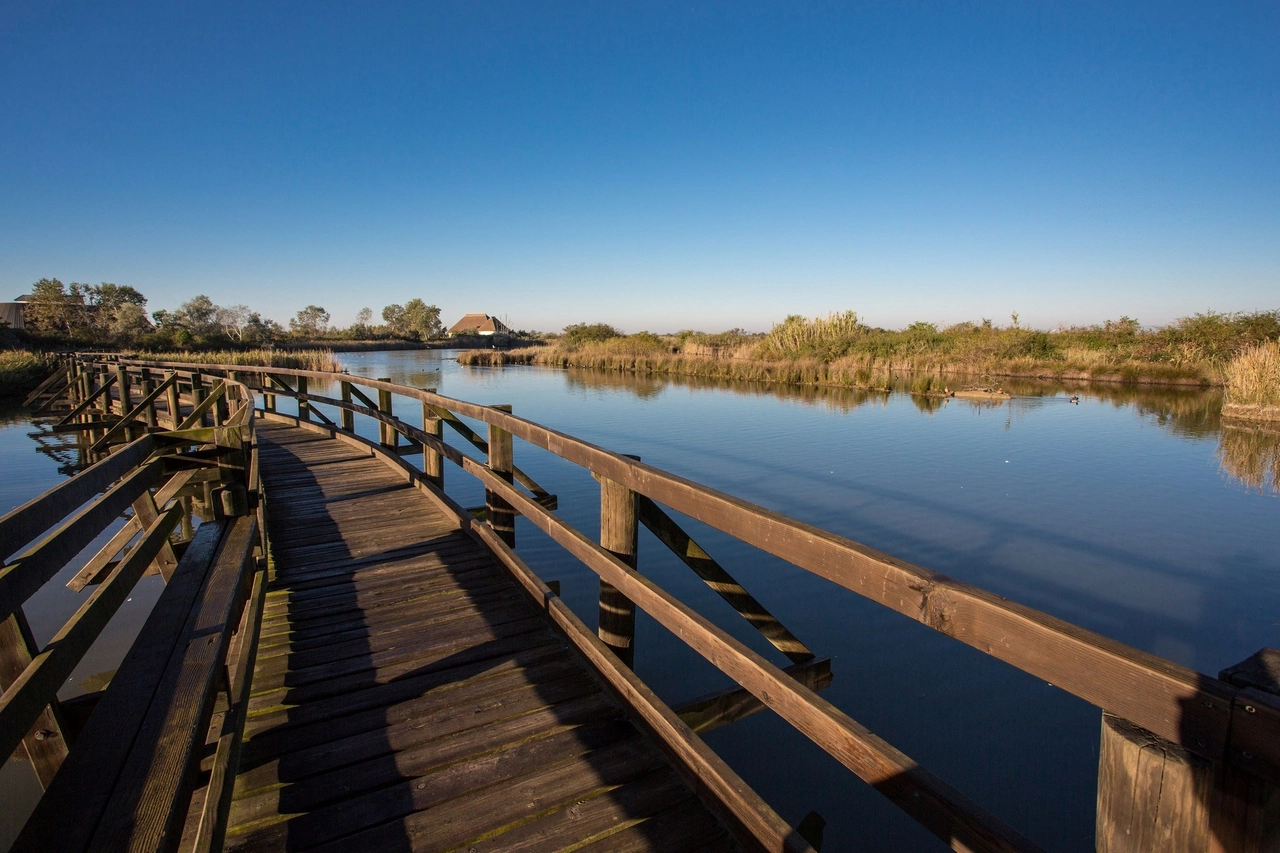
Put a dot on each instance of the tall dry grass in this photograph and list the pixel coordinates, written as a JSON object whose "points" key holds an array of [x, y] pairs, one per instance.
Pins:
{"points": [[22, 370], [1253, 377], [300, 359]]}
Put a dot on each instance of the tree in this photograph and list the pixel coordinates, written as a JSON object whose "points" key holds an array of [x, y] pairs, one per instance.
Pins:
{"points": [[309, 322], [364, 316], [260, 331], [231, 319], [393, 316], [422, 320], [50, 306], [582, 333], [198, 314], [127, 319]]}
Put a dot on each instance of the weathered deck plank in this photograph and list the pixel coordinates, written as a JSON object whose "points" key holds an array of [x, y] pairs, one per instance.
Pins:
{"points": [[408, 696]]}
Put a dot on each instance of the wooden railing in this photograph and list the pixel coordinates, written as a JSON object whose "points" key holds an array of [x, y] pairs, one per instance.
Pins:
{"points": [[1229, 733], [119, 764]]}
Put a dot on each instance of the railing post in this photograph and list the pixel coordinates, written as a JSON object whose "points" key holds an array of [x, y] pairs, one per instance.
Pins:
{"points": [[1155, 795], [46, 743], [387, 435], [304, 408], [122, 383], [348, 416], [174, 398], [502, 462], [268, 399], [619, 535], [198, 393], [432, 461], [147, 387]]}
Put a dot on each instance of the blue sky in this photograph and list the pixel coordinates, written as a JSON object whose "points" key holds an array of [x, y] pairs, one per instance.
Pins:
{"points": [[653, 165]]}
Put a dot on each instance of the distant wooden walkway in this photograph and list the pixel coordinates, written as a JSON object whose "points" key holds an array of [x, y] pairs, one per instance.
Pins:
{"points": [[408, 696]]}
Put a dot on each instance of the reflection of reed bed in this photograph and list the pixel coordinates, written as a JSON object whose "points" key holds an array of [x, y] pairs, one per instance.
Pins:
{"points": [[838, 399], [1251, 454]]}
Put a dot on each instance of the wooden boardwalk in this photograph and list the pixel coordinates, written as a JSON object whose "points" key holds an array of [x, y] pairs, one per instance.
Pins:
{"points": [[408, 696]]}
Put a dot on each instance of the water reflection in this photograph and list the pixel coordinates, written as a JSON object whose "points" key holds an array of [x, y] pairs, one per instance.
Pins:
{"points": [[1248, 454], [1251, 455]]}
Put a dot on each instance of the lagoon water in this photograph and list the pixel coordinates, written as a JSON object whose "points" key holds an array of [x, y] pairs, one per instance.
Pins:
{"points": [[1134, 514]]}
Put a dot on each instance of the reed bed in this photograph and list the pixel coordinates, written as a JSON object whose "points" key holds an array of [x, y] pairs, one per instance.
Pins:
{"points": [[299, 359], [22, 370], [1253, 377]]}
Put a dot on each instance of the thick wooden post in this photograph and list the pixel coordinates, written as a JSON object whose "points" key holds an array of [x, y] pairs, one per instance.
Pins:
{"points": [[1154, 795], [147, 387], [619, 535], [304, 408], [432, 461], [174, 399], [348, 416], [502, 517], [198, 393], [387, 436], [122, 385]]}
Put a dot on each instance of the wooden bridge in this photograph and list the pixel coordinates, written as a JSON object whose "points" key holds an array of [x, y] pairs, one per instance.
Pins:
{"points": [[343, 658]]}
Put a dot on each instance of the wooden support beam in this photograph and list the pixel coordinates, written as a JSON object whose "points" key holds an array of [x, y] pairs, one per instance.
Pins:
{"points": [[619, 536], [204, 401], [721, 582], [45, 741], [147, 405], [387, 436], [710, 712], [304, 407], [87, 403], [38, 685]]}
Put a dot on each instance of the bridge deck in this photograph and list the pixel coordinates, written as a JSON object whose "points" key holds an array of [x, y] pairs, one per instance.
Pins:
{"points": [[407, 696]]}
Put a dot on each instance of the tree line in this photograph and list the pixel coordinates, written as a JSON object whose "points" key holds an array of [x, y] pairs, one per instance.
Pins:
{"points": [[115, 315]]}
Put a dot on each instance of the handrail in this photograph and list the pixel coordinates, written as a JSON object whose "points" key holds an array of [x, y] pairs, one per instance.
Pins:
{"points": [[1179, 704], [59, 524]]}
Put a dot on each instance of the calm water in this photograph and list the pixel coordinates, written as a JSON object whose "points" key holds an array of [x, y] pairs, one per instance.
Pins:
{"points": [[1133, 514]]}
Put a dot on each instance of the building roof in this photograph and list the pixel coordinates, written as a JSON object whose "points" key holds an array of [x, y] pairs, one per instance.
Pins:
{"points": [[479, 323]]}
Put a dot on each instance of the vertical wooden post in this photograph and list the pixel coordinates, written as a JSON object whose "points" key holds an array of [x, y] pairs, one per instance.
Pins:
{"points": [[46, 743], [387, 436], [148, 386], [432, 461], [1154, 795], [502, 517], [174, 399], [268, 399], [304, 408], [198, 393], [619, 535], [122, 384], [348, 416]]}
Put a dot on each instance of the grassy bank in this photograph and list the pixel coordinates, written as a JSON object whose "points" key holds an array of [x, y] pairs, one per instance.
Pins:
{"points": [[21, 371], [838, 350], [299, 359]]}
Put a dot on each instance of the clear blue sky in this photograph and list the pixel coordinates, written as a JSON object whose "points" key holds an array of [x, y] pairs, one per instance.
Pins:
{"points": [[652, 165]]}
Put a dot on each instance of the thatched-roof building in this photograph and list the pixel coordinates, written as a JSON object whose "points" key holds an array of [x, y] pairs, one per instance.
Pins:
{"points": [[478, 324]]}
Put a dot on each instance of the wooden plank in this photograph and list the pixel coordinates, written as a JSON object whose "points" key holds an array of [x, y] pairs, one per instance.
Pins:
{"points": [[22, 525], [500, 516], [938, 807], [38, 685], [211, 831], [144, 812], [28, 572], [720, 581], [196, 417], [46, 386]]}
